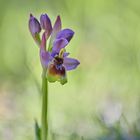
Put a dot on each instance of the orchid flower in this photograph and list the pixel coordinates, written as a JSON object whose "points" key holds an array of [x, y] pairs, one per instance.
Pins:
{"points": [[54, 58]]}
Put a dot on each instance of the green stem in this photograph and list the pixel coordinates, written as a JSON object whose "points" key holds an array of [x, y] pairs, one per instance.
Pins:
{"points": [[44, 120]]}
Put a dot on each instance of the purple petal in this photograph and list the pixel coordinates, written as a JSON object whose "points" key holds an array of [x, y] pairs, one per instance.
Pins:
{"points": [[46, 23], [66, 33], [58, 45], [56, 29], [70, 63], [43, 41], [57, 26], [34, 25], [65, 54], [45, 58]]}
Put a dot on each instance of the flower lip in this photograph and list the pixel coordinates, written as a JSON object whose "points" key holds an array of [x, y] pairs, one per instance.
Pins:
{"points": [[34, 25], [57, 70]]}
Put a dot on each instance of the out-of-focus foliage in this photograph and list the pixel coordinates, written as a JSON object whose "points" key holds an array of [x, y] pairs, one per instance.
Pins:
{"points": [[101, 99]]}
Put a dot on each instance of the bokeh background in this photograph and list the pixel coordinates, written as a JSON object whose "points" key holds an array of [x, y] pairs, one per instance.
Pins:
{"points": [[101, 101]]}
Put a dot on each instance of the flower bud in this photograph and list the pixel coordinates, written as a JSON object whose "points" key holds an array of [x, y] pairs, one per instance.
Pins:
{"points": [[46, 24], [56, 28], [34, 25]]}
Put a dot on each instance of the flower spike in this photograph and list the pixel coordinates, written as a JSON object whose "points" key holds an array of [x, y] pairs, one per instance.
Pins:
{"points": [[54, 59]]}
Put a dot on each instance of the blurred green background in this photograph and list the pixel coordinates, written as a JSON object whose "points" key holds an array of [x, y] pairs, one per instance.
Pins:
{"points": [[101, 101]]}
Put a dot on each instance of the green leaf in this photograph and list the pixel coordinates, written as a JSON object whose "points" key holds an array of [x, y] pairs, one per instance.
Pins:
{"points": [[37, 131]]}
